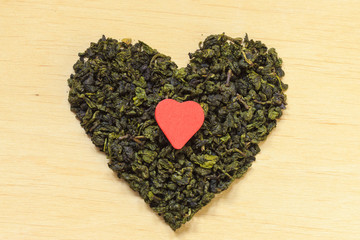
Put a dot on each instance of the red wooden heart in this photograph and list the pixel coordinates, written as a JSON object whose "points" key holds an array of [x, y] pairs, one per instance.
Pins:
{"points": [[179, 121]]}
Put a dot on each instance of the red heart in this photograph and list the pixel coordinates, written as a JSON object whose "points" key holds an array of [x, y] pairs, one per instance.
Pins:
{"points": [[179, 121]]}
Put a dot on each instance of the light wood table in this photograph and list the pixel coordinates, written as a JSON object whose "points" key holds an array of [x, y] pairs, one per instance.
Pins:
{"points": [[305, 183]]}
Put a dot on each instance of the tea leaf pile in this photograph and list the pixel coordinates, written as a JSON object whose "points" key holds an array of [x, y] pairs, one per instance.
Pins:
{"points": [[117, 85]]}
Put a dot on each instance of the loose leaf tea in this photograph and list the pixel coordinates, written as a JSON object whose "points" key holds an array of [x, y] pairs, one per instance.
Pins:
{"points": [[117, 85]]}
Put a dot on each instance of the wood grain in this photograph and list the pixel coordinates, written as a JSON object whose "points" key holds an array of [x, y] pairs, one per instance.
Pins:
{"points": [[304, 184]]}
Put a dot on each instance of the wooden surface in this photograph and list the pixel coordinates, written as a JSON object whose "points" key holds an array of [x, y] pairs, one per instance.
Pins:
{"points": [[305, 183]]}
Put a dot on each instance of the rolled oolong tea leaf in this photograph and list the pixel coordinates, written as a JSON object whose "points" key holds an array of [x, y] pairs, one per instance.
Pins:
{"points": [[117, 85]]}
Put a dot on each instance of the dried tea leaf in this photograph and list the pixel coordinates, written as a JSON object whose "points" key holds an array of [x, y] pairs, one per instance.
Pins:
{"points": [[117, 85]]}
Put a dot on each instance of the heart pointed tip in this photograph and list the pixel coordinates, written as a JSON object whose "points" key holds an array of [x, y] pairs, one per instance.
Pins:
{"points": [[178, 147]]}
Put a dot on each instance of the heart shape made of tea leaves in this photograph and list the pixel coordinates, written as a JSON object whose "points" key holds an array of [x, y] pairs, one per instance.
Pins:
{"points": [[237, 82]]}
